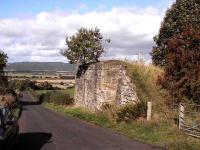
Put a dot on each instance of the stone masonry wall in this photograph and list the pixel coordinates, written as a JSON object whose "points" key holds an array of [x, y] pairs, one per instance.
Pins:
{"points": [[104, 82]]}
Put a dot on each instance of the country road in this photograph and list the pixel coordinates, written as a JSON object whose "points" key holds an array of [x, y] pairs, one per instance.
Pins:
{"points": [[43, 129]]}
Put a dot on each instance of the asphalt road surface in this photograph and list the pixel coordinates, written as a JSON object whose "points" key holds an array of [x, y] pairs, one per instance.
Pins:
{"points": [[43, 129]]}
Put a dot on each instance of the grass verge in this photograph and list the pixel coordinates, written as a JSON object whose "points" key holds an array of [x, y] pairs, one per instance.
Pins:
{"points": [[162, 134]]}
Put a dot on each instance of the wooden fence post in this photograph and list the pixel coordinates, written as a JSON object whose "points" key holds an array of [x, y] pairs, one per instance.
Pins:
{"points": [[149, 107], [181, 115]]}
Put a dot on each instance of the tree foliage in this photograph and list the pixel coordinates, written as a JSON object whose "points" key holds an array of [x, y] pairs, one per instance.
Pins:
{"points": [[22, 85], [3, 60], [181, 15], [182, 70], [86, 46]]}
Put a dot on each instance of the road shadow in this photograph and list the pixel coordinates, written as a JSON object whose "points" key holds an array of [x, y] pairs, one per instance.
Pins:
{"points": [[28, 100], [32, 141], [29, 103]]}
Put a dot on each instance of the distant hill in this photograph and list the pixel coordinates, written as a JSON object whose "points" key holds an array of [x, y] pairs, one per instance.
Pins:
{"points": [[40, 66]]}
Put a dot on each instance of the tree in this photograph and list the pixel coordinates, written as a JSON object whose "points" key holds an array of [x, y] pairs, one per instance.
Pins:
{"points": [[85, 47], [182, 70], [3, 60], [182, 15]]}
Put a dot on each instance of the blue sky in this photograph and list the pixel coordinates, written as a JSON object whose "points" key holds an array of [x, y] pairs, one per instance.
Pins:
{"points": [[21, 8], [35, 30]]}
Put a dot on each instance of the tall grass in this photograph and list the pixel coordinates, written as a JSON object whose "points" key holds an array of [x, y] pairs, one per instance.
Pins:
{"points": [[145, 78]]}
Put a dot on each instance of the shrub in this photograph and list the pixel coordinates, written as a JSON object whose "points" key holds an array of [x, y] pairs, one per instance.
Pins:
{"points": [[61, 98], [44, 97], [34, 76], [110, 110], [127, 113], [56, 97], [131, 112], [67, 77], [45, 86]]}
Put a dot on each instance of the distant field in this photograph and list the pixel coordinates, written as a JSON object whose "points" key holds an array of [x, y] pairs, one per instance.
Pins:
{"points": [[41, 75], [55, 81], [32, 74], [50, 80]]}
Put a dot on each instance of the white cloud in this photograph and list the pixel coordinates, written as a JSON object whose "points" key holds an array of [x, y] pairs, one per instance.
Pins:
{"points": [[40, 38]]}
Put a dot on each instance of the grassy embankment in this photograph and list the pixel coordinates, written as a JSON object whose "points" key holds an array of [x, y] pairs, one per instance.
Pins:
{"points": [[161, 131]]}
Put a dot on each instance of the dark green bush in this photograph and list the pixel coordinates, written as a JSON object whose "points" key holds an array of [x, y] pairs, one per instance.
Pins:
{"points": [[131, 112], [61, 98], [44, 97], [45, 86], [56, 97], [34, 76]]}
